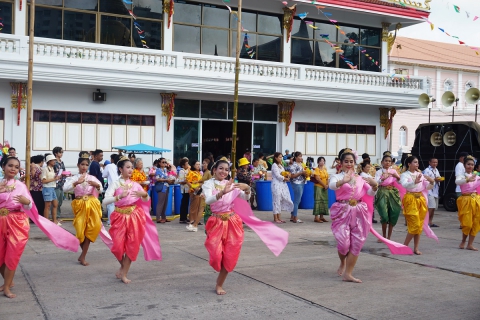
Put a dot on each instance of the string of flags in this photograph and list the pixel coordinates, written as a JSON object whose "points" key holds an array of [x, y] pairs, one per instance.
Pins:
{"points": [[432, 27], [458, 10], [250, 50], [137, 26]]}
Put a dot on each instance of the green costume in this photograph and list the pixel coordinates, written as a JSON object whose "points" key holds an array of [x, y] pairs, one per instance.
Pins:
{"points": [[320, 205], [388, 204]]}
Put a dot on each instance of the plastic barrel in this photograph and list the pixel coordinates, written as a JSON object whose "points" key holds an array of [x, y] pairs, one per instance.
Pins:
{"points": [[168, 211], [290, 189], [307, 200], [177, 198], [154, 196], [264, 196], [331, 197]]}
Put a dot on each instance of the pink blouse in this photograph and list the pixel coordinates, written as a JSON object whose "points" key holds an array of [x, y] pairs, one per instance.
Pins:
{"points": [[468, 187]]}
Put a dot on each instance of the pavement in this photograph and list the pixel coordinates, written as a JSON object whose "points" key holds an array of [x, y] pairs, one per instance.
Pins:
{"points": [[443, 283]]}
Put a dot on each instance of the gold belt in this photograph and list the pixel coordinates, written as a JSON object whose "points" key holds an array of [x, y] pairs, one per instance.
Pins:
{"points": [[473, 194], [388, 187], [4, 212], [223, 216], [84, 198], [125, 210], [416, 194], [351, 202]]}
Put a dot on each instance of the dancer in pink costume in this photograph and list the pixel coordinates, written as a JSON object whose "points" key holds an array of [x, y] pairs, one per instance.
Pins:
{"points": [[351, 219]]}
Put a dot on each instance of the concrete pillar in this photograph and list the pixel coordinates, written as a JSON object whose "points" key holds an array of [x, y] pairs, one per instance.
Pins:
{"points": [[460, 94], [415, 71], [384, 58], [287, 49], [20, 22], [167, 33], [439, 88]]}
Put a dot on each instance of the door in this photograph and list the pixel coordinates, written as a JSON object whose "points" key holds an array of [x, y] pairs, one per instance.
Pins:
{"points": [[217, 138], [185, 140]]}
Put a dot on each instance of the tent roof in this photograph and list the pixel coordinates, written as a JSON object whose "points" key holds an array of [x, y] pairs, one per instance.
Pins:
{"points": [[141, 148]]}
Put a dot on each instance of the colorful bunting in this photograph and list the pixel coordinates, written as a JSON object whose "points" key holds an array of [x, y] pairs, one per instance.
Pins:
{"points": [[457, 8], [302, 15], [476, 17]]}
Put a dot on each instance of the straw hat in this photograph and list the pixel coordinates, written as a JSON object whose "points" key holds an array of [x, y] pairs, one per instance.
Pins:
{"points": [[50, 157], [243, 161]]}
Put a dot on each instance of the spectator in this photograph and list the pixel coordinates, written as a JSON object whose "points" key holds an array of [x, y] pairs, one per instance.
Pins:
{"points": [[460, 170], [139, 175], [36, 185], [280, 194], [298, 183], [209, 156], [184, 188], [320, 207], [131, 157], [287, 155], [59, 167], [247, 155], [95, 166], [111, 173], [433, 173], [162, 189], [261, 160], [49, 181], [12, 152], [194, 181], [258, 173], [336, 165]]}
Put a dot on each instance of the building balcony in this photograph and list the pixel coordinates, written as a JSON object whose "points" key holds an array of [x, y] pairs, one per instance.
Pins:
{"points": [[60, 61]]}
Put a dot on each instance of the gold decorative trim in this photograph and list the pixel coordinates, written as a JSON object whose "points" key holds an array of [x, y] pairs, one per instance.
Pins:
{"points": [[285, 113], [386, 120], [168, 6], [288, 14], [168, 107], [392, 37], [385, 31]]}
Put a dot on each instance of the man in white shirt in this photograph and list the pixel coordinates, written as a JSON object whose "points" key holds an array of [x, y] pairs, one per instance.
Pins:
{"points": [[111, 173], [460, 170], [433, 173]]}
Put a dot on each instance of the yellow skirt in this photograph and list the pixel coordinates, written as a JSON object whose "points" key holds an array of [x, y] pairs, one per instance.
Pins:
{"points": [[414, 210], [469, 214], [88, 218]]}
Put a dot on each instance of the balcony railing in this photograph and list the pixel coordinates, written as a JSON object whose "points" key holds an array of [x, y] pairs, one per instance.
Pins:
{"points": [[117, 57]]}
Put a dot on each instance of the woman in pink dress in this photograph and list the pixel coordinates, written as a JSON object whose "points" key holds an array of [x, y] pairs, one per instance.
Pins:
{"points": [[351, 219], [469, 204], [131, 221], [15, 204]]}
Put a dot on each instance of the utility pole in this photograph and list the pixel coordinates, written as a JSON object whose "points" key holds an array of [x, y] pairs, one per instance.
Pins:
{"points": [[29, 92], [235, 98]]}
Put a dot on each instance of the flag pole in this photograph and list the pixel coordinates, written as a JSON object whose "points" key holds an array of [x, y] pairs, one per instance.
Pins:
{"points": [[28, 146], [235, 98]]}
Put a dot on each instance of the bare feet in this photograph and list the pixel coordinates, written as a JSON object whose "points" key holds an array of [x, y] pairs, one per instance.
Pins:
{"points": [[379, 241], [9, 294], [472, 248], [462, 245], [125, 280], [11, 286], [417, 252], [220, 291], [83, 262], [119, 274], [341, 268], [349, 278]]}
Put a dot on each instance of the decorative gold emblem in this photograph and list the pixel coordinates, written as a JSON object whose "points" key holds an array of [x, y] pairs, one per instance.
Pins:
{"points": [[4, 212], [125, 210], [352, 202]]}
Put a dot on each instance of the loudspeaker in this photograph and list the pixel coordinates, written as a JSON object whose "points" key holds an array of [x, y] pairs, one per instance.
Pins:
{"points": [[448, 98], [472, 95], [424, 100], [436, 139], [99, 96], [450, 138]]}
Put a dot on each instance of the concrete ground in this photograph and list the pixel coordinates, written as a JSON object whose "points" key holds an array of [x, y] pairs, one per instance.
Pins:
{"points": [[301, 283]]}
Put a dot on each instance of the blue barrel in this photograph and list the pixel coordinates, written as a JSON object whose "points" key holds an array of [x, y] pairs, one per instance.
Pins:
{"points": [[264, 196], [307, 200], [177, 198], [290, 189], [331, 197], [168, 211], [154, 196]]}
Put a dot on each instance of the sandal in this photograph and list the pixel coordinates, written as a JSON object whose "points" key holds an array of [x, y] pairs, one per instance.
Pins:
{"points": [[323, 220], [278, 221]]}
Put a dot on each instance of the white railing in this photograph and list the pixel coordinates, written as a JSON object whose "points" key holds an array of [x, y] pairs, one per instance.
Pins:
{"points": [[111, 57]]}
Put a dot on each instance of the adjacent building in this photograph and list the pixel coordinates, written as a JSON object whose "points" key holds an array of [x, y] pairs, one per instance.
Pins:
{"points": [[313, 77]]}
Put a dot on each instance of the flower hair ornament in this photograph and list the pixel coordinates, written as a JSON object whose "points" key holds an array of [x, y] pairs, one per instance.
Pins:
{"points": [[348, 150], [123, 158], [469, 157]]}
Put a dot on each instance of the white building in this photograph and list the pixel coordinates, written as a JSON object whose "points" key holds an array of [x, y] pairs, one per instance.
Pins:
{"points": [[135, 52]]}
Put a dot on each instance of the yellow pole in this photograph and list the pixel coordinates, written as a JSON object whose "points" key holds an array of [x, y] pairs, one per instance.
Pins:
{"points": [[29, 93], [235, 98]]}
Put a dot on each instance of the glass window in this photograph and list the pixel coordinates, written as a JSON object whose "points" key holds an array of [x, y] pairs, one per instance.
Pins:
{"points": [[301, 30], [77, 25], [75, 4], [269, 24], [148, 120], [371, 130], [370, 37], [104, 118], [215, 17], [361, 130], [266, 112], [325, 55], [2, 114], [341, 128], [48, 23], [116, 31], [244, 112], [152, 9], [249, 21], [48, 2], [188, 12], [89, 118], [133, 119], [57, 116], [350, 53], [351, 129], [326, 29], [214, 42], [268, 48], [74, 117], [187, 108], [43, 116], [186, 38], [148, 31], [186, 137], [321, 127], [350, 33], [311, 127], [119, 119], [331, 128], [372, 64], [214, 110], [115, 7], [6, 17], [300, 127], [264, 138], [302, 51]]}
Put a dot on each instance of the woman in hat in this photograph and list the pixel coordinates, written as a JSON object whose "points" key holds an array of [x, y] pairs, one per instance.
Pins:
{"points": [[87, 210], [244, 175], [49, 180], [469, 204]]}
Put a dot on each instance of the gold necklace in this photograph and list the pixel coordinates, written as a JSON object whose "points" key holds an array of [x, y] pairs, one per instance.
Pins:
{"points": [[11, 187]]}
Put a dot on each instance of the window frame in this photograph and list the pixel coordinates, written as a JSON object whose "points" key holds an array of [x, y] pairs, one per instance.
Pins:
{"points": [[12, 2]]}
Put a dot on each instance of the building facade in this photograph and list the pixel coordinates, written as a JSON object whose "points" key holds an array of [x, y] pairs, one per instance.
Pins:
{"points": [[447, 67], [312, 76]]}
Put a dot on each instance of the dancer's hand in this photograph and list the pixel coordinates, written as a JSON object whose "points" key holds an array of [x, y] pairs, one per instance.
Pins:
{"points": [[347, 177], [430, 179], [81, 179], [124, 194], [371, 181], [472, 178], [418, 178], [22, 199], [228, 187], [94, 184], [242, 186], [140, 194]]}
